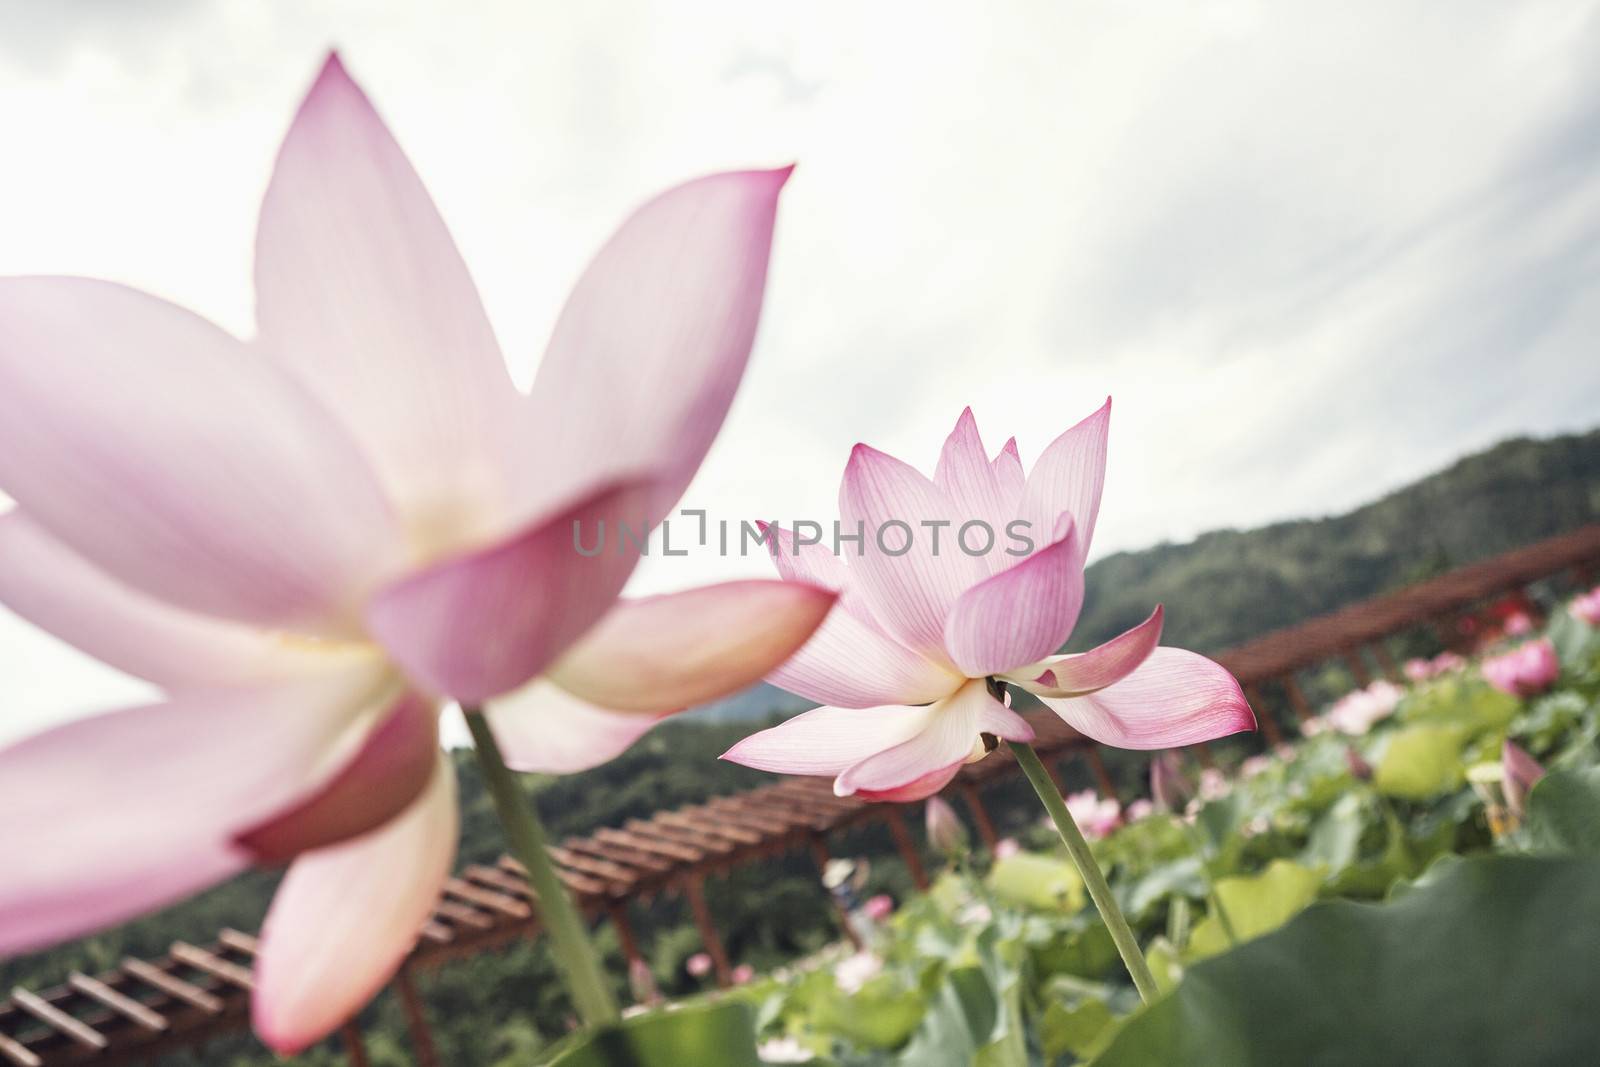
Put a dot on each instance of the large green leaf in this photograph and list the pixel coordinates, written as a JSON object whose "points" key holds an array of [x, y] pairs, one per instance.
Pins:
{"points": [[1421, 762], [1255, 905], [1030, 880], [721, 1034], [1493, 961], [1564, 812]]}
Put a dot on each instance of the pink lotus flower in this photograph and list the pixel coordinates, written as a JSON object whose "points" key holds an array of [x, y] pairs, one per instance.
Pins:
{"points": [[904, 663], [879, 908], [1256, 765], [1586, 608], [313, 539], [1421, 670], [1142, 808], [1519, 773], [1095, 816], [743, 974], [1526, 670], [1357, 712], [1006, 847], [698, 965]]}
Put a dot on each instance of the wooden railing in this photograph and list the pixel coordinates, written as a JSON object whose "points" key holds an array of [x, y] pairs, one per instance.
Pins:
{"points": [[142, 1008]]}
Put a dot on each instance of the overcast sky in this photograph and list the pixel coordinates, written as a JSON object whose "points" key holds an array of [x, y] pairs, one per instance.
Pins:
{"points": [[1314, 251]]}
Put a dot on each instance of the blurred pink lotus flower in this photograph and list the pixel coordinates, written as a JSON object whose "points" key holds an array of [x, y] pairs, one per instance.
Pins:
{"points": [[312, 539], [1255, 765], [743, 974], [945, 832], [879, 908], [1527, 670], [853, 972], [904, 664], [1357, 712], [1006, 847], [1140, 809], [1095, 816], [1519, 773], [1518, 624], [698, 965], [1421, 670], [1586, 608], [1214, 784]]}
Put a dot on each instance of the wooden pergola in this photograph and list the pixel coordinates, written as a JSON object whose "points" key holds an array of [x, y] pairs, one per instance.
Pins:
{"points": [[142, 1008]]}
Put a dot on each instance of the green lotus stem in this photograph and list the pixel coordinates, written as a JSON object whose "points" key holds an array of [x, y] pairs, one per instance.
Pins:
{"points": [[1211, 883], [1088, 870], [569, 937]]}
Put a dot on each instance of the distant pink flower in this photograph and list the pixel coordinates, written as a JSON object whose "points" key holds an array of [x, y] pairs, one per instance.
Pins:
{"points": [[314, 539], [945, 832], [1095, 816], [1421, 670], [919, 630], [1518, 624], [1214, 784], [853, 972], [1519, 773], [1587, 607], [1526, 670], [1255, 765], [879, 908], [698, 965], [1006, 847], [743, 974], [1140, 809], [1357, 712]]}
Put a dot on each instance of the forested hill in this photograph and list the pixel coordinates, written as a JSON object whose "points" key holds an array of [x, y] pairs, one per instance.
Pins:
{"points": [[1228, 586], [1231, 585]]}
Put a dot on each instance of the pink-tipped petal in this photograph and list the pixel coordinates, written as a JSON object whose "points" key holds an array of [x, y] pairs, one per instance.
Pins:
{"points": [[1069, 477], [651, 345], [180, 462], [969, 480], [542, 728], [952, 730], [1103, 665], [1010, 478], [912, 591], [827, 740], [345, 917], [920, 789], [388, 772], [1019, 615], [1174, 698], [361, 292], [58, 590], [126, 812], [484, 623], [665, 653]]}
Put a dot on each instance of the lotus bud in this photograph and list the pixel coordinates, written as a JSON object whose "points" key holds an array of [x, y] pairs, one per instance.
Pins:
{"points": [[1519, 772], [945, 832]]}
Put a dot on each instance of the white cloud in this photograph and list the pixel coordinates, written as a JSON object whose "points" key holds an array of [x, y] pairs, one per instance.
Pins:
{"points": [[1313, 251]]}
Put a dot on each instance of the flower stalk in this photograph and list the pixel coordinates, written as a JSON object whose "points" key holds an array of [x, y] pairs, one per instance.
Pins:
{"points": [[569, 938], [1093, 878]]}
